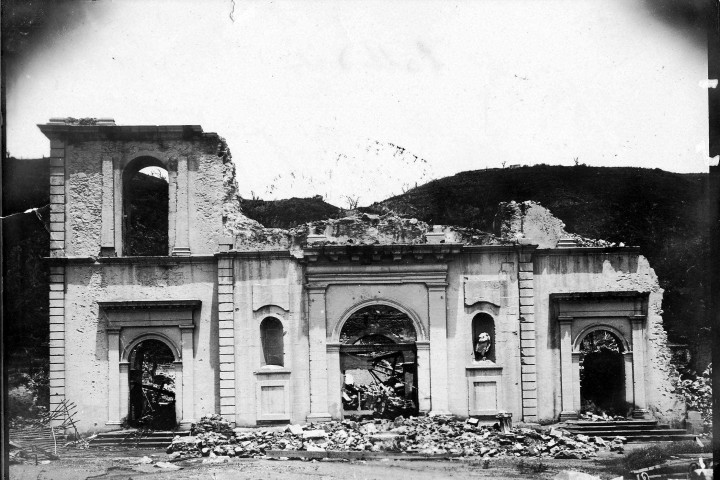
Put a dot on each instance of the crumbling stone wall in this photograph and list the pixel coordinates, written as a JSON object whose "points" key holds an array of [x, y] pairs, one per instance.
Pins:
{"points": [[83, 209], [591, 271], [207, 199], [532, 223], [86, 340], [354, 229]]}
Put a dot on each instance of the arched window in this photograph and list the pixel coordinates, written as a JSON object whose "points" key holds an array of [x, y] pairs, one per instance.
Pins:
{"points": [[483, 324], [145, 208], [271, 337]]}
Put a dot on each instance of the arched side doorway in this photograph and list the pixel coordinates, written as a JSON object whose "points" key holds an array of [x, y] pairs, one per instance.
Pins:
{"points": [[602, 373], [378, 361], [152, 381]]}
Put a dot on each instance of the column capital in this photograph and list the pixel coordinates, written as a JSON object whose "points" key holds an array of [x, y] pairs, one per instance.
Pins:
{"points": [[113, 330], [422, 345], [184, 328], [316, 288], [564, 319], [436, 286], [637, 319], [332, 347]]}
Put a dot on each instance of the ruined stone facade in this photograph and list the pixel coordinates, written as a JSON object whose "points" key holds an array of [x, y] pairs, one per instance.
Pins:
{"points": [[255, 318]]}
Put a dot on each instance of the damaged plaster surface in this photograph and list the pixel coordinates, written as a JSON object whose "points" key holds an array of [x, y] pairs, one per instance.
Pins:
{"points": [[310, 279]]}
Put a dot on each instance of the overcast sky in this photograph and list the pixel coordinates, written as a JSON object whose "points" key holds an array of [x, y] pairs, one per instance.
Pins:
{"points": [[369, 98]]}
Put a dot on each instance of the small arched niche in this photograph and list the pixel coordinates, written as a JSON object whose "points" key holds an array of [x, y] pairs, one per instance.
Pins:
{"points": [[483, 323], [271, 339], [145, 208]]}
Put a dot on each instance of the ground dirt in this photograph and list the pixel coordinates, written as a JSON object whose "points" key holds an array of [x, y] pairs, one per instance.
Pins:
{"points": [[122, 464]]}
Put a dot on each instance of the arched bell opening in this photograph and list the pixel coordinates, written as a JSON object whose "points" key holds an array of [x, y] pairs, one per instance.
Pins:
{"points": [[602, 374], [152, 386], [145, 208], [378, 358]]}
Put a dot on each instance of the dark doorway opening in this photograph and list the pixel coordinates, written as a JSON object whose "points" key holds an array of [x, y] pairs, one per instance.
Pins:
{"points": [[602, 374], [152, 386], [145, 208], [378, 358]]}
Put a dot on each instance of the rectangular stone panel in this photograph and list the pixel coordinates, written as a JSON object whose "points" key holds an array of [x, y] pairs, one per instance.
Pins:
{"points": [[277, 294], [272, 399], [485, 394]]}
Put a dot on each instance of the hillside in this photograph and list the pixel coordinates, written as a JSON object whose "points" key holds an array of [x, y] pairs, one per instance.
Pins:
{"points": [[289, 212], [664, 213]]}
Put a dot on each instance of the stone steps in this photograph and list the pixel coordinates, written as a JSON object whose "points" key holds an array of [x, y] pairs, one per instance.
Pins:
{"points": [[132, 438], [633, 430]]}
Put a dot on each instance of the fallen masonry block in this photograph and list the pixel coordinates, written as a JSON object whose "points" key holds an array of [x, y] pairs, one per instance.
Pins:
{"points": [[310, 434], [295, 429]]}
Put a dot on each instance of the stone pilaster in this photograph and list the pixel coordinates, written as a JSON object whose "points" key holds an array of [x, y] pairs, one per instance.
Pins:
{"points": [[638, 359], [57, 336], [226, 333], [107, 238], [528, 365], [423, 375], [114, 414], [335, 380], [188, 375], [182, 217], [57, 198], [318, 354], [566, 370], [437, 308]]}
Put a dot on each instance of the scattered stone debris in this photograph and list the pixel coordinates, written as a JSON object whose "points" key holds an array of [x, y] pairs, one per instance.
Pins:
{"points": [[414, 435], [602, 417]]}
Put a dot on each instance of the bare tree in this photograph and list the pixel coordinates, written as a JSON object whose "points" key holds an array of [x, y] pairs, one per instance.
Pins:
{"points": [[352, 202]]}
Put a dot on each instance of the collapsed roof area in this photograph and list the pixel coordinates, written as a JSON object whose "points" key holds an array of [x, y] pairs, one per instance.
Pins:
{"points": [[525, 222]]}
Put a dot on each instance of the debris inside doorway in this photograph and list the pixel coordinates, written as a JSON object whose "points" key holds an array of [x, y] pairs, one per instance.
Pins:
{"points": [[378, 358], [413, 435], [152, 387]]}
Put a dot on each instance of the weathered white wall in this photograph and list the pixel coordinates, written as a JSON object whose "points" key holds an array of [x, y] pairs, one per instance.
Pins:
{"points": [[600, 272], [495, 267], [256, 272], [86, 343], [84, 186]]}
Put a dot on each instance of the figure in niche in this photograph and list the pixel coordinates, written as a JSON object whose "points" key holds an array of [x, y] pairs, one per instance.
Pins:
{"points": [[482, 347]]}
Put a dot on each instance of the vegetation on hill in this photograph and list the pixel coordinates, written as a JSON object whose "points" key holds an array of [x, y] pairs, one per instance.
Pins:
{"points": [[663, 213], [290, 212]]}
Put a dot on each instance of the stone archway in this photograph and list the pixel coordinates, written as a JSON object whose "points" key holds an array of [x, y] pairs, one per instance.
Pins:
{"points": [[152, 385], [378, 358], [602, 373]]}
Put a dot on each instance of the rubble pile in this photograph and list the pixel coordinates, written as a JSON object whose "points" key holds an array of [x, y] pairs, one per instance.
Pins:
{"points": [[414, 435], [602, 417]]}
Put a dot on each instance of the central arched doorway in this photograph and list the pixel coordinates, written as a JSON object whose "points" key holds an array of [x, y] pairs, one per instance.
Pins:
{"points": [[602, 374], [378, 359], [152, 385]]}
